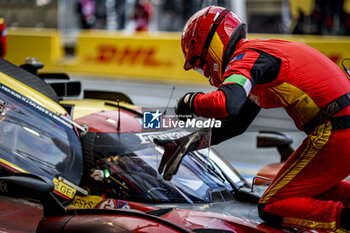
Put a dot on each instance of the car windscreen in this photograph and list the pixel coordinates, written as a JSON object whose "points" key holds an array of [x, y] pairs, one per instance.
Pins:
{"points": [[35, 140], [199, 178]]}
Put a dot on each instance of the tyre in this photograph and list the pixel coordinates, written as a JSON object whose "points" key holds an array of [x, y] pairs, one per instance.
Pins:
{"points": [[89, 164]]}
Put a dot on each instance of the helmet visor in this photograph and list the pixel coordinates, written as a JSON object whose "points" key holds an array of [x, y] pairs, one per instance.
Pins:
{"points": [[201, 66]]}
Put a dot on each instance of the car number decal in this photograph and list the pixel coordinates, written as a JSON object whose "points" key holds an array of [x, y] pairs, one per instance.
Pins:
{"points": [[63, 190]]}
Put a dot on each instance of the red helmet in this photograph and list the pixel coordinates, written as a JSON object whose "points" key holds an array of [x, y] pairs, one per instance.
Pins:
{"points": [[209, 39]]}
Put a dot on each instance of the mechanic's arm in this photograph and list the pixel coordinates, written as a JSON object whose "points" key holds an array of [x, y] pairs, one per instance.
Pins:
{"points": [[224, 102], [244, 72], [235, 125], [230, 127], [229, 104]]}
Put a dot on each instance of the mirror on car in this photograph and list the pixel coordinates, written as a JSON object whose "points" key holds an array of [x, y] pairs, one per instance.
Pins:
{"points": [[245, 194], [25, 185], [281, 141]]}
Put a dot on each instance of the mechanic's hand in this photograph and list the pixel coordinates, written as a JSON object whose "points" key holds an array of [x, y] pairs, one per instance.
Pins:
{"points": [[184, 107], [170, 146], [175, 150]]}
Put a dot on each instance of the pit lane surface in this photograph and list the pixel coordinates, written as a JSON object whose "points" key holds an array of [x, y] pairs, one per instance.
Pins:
{"points": [[240, 151]]}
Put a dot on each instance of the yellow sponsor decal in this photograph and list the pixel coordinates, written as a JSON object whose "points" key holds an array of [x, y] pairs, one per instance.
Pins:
{"points": [[63, 189], [11, 85], [297, 222], [87, 202]]}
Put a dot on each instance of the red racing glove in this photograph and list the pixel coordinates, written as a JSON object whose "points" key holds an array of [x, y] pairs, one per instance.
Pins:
{"points": [[184, 107], [175, 150]]}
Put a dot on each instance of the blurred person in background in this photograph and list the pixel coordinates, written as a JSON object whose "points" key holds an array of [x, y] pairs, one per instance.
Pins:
{"points": [[86, 10], [170, 12], [100, 14], [121, 14], [309, 191], [320, 17], [143, 13], [2, 37]]}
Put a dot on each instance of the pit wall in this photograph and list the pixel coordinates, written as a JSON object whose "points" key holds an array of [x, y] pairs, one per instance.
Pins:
{"points": [[46, 45], [145, 56]]}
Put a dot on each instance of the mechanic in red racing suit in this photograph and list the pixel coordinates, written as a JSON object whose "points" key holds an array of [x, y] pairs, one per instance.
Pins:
{"points": [[309, 190]]}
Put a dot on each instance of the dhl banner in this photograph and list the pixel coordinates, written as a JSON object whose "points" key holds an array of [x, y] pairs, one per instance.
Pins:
{"points": [[142, 56], [156, 56], [160, 56]]}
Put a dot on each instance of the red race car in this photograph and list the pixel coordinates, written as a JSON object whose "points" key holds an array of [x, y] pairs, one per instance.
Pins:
{"points": [[99, 173]]}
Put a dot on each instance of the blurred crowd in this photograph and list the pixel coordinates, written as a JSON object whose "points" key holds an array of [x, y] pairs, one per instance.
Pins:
{"points": [[138, 15], [319, 17]]}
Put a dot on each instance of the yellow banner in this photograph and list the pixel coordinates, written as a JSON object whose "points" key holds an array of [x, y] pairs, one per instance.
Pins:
{"points": [[45, 44], [142, 55], [159, 56]]}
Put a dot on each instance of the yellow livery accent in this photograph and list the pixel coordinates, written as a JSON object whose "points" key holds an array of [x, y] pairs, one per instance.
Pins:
{"points": [[216, 50], [11, 165], [297, 222], [31, 93], [304, 108], [86, 107], [342, 231], [314, 144], [216, 47]]}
